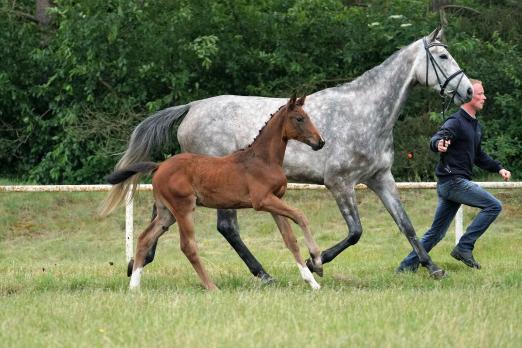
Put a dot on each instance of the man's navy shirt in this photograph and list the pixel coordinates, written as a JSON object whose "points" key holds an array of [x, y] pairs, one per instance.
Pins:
{"points": [[465, 150]]}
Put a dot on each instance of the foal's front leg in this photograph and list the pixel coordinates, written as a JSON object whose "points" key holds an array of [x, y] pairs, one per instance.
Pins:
{"points": [[291, 244]]}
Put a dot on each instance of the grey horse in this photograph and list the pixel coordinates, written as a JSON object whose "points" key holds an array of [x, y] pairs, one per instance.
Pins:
{"points": [[357, 123]]}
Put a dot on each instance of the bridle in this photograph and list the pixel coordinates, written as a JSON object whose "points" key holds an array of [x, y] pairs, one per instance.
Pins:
{"points": [[436, 67]]}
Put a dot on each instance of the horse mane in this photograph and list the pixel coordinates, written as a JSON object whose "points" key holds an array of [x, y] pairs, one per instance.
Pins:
{"points": [[261, 130]]}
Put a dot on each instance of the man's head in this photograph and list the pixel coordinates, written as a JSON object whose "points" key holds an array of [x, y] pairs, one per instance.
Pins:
{"points": [[477, 103]]}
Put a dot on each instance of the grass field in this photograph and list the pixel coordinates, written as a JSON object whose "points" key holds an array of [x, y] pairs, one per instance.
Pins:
{"points": [[63, 281]]}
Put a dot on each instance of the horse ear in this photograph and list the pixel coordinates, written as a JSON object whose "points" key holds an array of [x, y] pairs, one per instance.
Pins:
{"points": [[291, 103], [435, 35], [301, 101]]}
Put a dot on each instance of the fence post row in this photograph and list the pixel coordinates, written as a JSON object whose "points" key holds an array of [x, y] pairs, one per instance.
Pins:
{"points": [[129, 211]]}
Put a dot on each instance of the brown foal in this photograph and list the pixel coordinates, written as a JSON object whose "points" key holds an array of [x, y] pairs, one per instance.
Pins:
{"points": [[249, 178]]}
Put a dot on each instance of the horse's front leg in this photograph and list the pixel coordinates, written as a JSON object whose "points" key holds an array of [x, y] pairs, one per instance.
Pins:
{"points": [[384, 186], [228, 226], [344, 194], [291, 244], [274, 205]]}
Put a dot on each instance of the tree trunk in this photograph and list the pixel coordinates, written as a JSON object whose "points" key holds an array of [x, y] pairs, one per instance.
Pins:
{"points": [[437, 4], [42, 16]]}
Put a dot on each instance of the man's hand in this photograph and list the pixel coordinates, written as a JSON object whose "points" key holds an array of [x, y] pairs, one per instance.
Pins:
{"points": [[442, 145], [506, 174]]}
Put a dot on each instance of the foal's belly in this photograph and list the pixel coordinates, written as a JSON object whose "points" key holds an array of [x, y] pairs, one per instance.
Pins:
{"points": [[222, 204]]}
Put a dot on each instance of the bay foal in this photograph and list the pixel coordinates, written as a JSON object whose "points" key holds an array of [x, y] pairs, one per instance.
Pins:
{"points": [[249, 178]]}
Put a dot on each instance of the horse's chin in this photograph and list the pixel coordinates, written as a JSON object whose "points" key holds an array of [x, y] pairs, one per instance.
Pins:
{"points": [[459, 101]]}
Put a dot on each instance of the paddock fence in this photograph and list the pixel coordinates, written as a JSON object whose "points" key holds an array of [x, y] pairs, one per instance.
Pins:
{"points": [[129, 208]]}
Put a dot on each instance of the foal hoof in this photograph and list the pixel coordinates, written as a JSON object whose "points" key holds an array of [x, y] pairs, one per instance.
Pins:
{"points": [[313, 267], [129, 267]]}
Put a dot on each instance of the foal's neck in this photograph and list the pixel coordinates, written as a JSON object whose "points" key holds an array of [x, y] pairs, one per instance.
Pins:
{"points": [[270, 144]]}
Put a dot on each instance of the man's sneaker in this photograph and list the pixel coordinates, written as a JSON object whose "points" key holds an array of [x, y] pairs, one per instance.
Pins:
{"points": [[465, 257]]}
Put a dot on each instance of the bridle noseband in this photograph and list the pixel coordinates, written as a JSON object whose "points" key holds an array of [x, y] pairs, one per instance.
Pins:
{"points": [[435, 65]]}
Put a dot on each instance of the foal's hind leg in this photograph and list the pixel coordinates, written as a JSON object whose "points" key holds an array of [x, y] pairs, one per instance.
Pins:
{"points": [[189, 247], [152, 251], [146, 239], [228, 226], [291, 244]]}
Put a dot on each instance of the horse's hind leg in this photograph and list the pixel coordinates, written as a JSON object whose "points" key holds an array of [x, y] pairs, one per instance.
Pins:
{"points": [[189, 247], [291, 244], [228, 226], [152, 251], [147, 238], [384, 186]]}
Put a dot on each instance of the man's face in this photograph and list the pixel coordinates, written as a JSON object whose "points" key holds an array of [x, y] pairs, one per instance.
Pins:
{"points": [[477, 103]]}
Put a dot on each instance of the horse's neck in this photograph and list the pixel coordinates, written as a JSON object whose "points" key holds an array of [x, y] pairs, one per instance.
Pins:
{"points": [[386, 88], [269, 144]]}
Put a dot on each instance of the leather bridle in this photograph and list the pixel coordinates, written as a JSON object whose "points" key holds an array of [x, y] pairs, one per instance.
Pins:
{"points": [[440, 74]]}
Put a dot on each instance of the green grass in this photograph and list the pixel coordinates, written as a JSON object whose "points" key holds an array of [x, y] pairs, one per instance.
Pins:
{"points": [[63, 282]]}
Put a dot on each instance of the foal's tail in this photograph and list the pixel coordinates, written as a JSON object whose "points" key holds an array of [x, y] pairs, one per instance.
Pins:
{"points": [[149, 136], [123, 177]]}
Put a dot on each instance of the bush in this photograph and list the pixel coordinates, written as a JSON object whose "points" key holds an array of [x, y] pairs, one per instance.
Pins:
{"points": [[71, 94]]}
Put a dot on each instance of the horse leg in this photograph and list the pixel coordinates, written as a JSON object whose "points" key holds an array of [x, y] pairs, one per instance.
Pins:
{"points": [[228, 226], [152, 251], [384, 186], [188, 244], [291, 244], [274, 205], [157, 227], [344, 195]]}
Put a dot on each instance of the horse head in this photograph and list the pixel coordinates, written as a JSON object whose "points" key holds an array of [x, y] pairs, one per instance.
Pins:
{"points": [[437, 68], [299, 126]]}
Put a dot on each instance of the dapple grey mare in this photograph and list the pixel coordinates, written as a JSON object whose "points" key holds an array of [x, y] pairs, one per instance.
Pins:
{"points": [[357, 123]]}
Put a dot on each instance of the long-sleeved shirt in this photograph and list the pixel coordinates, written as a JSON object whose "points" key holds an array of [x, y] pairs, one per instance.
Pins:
{"points": [[465, 134]]}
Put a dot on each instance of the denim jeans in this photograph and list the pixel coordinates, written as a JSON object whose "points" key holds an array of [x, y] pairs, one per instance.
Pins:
{"points": [[453, 192]]}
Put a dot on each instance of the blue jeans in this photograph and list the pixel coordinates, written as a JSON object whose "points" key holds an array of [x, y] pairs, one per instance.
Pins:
{"points": [[453, 192]]}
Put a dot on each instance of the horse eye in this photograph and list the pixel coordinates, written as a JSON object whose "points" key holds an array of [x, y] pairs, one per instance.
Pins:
{"points": [[300, 119], [443, 56]]}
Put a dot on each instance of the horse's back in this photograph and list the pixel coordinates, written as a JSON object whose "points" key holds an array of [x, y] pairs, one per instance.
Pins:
{"points": [[221, 125]]}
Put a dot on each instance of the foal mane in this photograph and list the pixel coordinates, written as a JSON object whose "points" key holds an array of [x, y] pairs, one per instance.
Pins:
{"points": [[261, 130]]}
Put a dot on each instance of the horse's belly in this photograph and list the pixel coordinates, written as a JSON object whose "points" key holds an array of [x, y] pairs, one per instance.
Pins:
{"points": [[302, 164]]}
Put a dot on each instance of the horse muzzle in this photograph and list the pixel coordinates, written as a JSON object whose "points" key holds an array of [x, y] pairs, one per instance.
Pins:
{"points": [[317, 146]]}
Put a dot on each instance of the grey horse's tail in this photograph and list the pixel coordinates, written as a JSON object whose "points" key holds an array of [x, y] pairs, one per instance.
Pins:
{"points": [[149, 136]]}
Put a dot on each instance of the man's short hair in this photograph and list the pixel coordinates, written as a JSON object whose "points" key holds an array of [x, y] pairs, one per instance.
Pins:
{"points": [[475, 82]]}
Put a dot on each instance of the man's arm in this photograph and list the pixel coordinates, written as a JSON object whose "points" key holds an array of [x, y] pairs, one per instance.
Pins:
{"points": [[446, 134], [484, 161]]}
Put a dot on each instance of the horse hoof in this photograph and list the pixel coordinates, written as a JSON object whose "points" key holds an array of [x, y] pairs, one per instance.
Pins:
{"points": [[313, 267], [310, 265], [319, 271], [438, 274], [129, 267], [266, 279]]}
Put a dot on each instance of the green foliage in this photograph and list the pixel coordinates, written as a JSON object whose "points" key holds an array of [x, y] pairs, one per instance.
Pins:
{"points": [[71, 94]]}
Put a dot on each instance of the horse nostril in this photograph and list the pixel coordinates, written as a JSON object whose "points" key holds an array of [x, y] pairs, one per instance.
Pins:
{"points": [[470, 91]]}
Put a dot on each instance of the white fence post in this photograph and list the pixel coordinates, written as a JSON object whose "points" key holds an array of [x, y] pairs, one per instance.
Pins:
{"points": [[129, 226], [458, 224], [129, 211]]}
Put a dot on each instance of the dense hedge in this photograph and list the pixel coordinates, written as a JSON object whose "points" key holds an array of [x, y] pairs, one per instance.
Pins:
{"points": [[70, 94]]}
